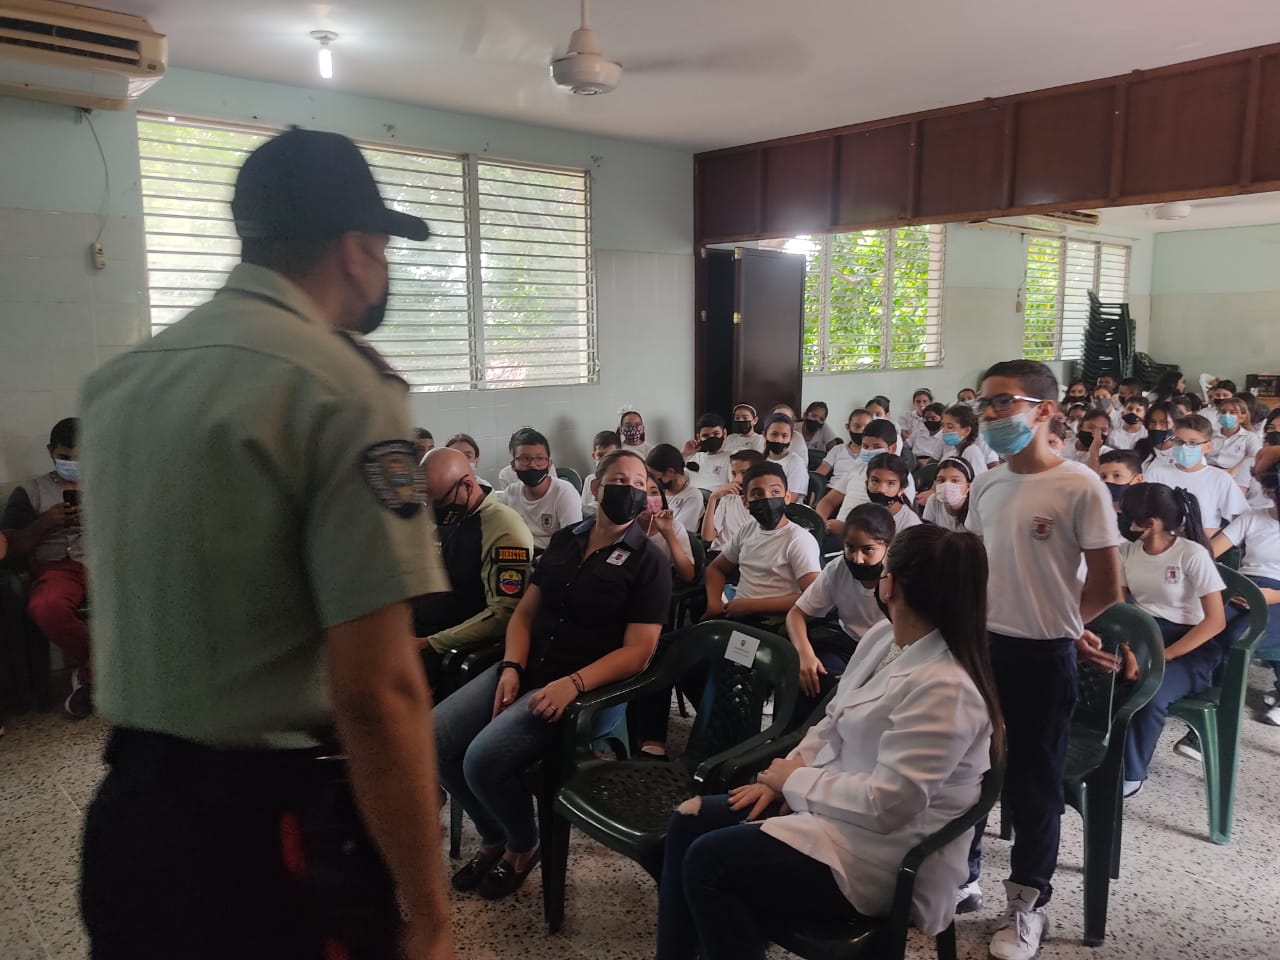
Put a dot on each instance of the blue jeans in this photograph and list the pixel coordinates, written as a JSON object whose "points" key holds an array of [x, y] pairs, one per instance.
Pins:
{"points": [[482, 758], [1269, 648], [724, 880], [1183, 676]]}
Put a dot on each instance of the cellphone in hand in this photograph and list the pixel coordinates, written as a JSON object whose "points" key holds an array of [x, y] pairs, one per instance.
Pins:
{"points": [[71, 498]]}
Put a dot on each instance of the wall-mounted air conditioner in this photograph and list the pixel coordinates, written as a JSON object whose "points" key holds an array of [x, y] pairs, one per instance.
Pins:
{"points": [[66, 53]]}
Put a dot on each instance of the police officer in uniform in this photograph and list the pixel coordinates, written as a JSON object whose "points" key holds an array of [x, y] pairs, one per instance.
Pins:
{"points": [[255, 606], [486, 548]]}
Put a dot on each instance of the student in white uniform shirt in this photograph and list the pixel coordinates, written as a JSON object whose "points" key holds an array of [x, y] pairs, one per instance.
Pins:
{"points": [[1171, 575], [1221, 500], [1157, 446], [727, 509], [842, 459], [879, 436], [1120, 470], [847, 587], [1132, 428], [776, 560], [663, 529], [1104, 400], [631, 430], [1091, 439], [742, 430], [1257, 495], [901, 751], [544, 501], [948, 506], [706, 455], [1040, 516], [602, 444], [879, 408], [813, 427], [910, 425], [926, 443], [779, 430], [1235, 444], [887, 477], [960, 437], [683, 496], [798, 445], [1257, 533]]}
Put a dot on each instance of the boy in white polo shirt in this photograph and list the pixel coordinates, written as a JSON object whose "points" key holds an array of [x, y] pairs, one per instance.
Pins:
{"points": [[1039, 516], [1217, 492], [706, 455], [544, 501], [727, 509]]}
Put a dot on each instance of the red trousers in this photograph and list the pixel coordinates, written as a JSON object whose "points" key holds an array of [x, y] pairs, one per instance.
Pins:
{"points": [[56, 597]]}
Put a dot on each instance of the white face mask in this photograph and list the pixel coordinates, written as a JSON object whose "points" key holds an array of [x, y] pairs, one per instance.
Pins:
{"points": [[952, 494]]}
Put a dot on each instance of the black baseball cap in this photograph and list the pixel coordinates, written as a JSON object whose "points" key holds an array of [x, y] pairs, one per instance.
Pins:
{"points": [[308, 183]]}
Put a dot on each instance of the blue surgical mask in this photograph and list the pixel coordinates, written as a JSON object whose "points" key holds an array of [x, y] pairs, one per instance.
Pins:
{"points": [[1008, 436], [1186, 456], [68, 470], [866, 456], [1228, 421], [951, 438]]}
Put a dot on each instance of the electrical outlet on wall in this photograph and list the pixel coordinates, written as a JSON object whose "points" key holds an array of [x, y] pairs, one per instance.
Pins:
{"points": [[98, 255]]}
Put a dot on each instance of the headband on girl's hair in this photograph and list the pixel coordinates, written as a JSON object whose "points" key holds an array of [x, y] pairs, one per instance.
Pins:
{"points": [[746, 406], [960, 464]]}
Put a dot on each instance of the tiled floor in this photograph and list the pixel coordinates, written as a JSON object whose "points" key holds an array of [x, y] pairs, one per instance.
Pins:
{"points": [[1179, 898]]}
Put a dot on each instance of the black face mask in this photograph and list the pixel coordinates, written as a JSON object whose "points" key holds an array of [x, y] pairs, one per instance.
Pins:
{"points": [[622, 504], [532, 477], [1126, 527], [855, 438], [933, 426], [1158, 437], [374, 316], [1273, 438], [711, 444], [883, 499], [1085, 437], [1132, 418], [776, 446], [767, 512], [1117, 491], [740, 426], [811, 425], [865, 572], [447, 512], [1076, 397]]}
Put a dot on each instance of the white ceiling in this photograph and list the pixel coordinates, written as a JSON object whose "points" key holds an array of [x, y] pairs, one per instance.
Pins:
{"points": [[740, 70], [1242, 211]]}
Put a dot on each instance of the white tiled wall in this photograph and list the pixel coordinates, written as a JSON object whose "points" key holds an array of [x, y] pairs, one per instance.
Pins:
{"points": [[644, 306], [59, 319]]}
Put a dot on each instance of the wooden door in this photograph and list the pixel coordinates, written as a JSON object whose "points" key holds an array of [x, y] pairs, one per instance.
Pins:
{"points": [[768, 328]]}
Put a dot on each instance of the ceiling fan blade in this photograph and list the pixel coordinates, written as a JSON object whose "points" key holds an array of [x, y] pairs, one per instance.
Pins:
{"points": [[772, 55]]}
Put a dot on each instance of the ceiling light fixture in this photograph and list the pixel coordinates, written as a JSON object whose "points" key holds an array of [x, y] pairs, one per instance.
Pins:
{"points": [[325, 60]]}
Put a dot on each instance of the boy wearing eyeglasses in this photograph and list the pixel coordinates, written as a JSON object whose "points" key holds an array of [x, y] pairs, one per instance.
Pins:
{"points": [[1039, 516], [1221, 500], [545, 502]]}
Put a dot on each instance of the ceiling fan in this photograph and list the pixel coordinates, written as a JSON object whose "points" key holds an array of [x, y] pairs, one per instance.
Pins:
{"points": [[585, 70]]}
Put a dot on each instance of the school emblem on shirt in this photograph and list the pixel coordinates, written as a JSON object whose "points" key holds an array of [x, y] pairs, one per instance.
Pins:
{"points": [[618, 557], [391, 470], [1172, 575], [1041, 527], [545, 520]]}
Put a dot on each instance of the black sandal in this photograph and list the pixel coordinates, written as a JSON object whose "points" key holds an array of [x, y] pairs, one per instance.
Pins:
{"points": [[504, 879], [476, 869]]}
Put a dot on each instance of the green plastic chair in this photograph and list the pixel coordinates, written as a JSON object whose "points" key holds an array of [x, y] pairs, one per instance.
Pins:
{"points": [[924, 476], [885, 938], [572, 475], [817, 487], [1215, 715], [808, 518], [689, 600], [625, 805], [1231, 559], [1094, 776], [815, 458]]}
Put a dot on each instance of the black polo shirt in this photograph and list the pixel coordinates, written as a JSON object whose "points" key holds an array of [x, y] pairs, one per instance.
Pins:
{"points": [[588, 601]]}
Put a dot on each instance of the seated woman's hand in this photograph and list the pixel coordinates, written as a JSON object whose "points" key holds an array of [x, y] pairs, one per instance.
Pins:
{"points": [[754, 798], [779, 771], [550, 701], [507, 692], [810, 668]]}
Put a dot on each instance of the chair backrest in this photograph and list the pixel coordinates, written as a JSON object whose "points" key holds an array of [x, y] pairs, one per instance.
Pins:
{"points": [[1234, 672], [1125, 623], [706, 497], [699, 551], [816, 457], [808, 518], [1231, 559], [731, 708], [817, 486], [572, 475], [924, 476]]}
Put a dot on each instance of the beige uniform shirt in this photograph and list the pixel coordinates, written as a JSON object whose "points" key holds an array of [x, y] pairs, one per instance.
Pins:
{"points": [[253, 484]]}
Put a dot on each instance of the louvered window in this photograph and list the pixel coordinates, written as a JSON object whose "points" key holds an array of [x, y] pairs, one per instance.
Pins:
{"points": [[1060, 272]]}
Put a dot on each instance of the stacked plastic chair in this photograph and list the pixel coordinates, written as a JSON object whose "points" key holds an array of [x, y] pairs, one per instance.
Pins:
{"points": [[1108, 340]]}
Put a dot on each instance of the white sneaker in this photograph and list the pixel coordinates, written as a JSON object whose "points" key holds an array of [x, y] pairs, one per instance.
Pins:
{"points": [[1272, 699], [1272, 716], [1189, 747], [1024, 925], [1132, 788], [969, 898]]}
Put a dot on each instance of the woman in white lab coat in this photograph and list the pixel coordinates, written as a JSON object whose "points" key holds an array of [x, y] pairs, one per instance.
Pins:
{"points": [[901, 752]]}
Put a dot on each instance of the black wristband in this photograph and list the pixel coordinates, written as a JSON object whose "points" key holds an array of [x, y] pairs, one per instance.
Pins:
{"points": [[517, 667]]}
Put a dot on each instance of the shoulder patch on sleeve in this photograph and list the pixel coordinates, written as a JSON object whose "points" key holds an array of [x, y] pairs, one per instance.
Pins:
{"points": [[512, 579], [512, 555], [391, 470]]}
